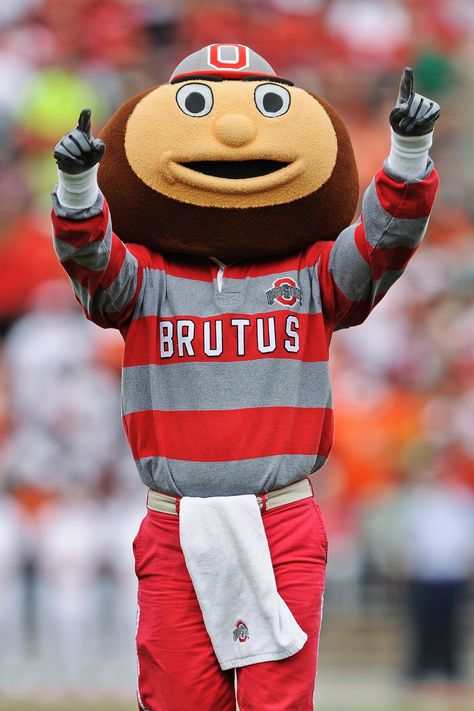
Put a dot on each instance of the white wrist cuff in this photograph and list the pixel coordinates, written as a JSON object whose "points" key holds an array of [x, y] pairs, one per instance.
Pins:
{"points": [[78, 191], [409, 154]]}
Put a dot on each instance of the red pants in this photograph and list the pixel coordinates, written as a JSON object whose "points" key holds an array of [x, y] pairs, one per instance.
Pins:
{"points": [[178, 669]]}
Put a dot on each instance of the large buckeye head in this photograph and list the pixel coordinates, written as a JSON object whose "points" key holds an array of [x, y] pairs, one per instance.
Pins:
{"points": [[228, 160]]}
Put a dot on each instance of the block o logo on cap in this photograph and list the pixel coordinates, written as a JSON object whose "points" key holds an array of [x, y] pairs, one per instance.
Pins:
{"points": [[233, 57]]}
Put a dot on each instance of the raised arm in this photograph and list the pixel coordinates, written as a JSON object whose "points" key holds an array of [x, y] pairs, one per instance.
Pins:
{"points": [[105, 275], [357, 270]]}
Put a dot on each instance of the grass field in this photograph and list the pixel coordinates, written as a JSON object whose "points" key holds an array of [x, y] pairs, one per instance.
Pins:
{"points": [[333, 699], [355, 690]]}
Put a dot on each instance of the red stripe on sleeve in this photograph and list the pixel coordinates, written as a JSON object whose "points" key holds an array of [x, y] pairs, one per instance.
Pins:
{"points": [[394, 258], [334, 301], [362, 244], [78, 233], [406, 200], [382, 259], [226, 435], [93, 279], [357, 314], [114, 319], [123, 318], [117, 258]]}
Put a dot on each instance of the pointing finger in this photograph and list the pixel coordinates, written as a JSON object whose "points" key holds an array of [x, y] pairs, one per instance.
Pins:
{"points": [[84, 123], [406, 85]]}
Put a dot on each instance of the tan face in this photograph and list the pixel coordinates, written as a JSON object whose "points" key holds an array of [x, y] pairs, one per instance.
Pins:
{"points": [[231, 144], [228, 181]]}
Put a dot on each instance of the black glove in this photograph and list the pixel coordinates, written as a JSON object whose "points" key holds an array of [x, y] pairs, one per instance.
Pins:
{"points": [[413, 115], [77, 151]]}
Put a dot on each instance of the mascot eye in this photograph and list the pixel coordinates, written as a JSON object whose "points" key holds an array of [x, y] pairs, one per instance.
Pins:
{"points": [[272, 100], [195, 99]]}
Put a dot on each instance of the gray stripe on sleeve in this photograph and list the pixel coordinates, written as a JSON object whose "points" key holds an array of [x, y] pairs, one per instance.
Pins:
{"points": [[383, 230], [116, 297], [231, 478], [387, 280], [82, 214], [271, 382], [94, 255], [350, 271]]}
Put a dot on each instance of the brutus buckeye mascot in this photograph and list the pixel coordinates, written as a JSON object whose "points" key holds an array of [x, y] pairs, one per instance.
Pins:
{"points": [[216, 236]]}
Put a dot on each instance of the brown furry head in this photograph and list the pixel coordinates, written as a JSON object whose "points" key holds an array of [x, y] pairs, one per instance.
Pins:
{"points": [[229, 169]]}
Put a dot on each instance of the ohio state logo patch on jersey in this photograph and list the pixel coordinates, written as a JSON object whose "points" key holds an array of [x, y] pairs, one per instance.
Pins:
{"points": [[241, 631], [286, 291]]}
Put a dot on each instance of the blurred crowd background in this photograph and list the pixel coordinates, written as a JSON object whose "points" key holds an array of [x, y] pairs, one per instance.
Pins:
{"points": [[398, 492]]}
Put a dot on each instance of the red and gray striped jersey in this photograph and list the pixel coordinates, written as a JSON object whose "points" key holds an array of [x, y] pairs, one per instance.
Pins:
{"points": [[226, 391]]}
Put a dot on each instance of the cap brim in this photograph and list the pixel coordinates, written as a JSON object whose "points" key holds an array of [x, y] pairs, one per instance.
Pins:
{"points": [[211, 75]]}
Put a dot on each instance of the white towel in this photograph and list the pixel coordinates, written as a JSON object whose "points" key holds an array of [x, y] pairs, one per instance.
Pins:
{"points": [[228, 559]]}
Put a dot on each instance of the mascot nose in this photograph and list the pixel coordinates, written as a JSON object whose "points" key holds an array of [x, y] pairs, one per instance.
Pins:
{"points": [[235, 130]]}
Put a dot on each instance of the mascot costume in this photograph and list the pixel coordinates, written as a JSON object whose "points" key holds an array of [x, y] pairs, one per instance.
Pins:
{"points": [[231, 261]]}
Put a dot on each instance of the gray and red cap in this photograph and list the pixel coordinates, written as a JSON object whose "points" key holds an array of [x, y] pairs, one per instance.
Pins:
{"points": [[225, 61]]}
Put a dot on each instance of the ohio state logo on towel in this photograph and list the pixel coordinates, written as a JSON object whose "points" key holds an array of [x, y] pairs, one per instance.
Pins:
{"points": [[241, 631], [228, 56], [286, 291]]}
